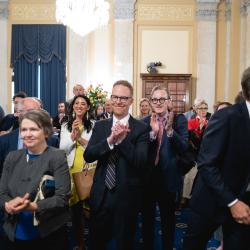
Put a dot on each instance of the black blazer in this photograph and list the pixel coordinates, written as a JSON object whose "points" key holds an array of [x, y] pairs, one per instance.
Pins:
{"points": [[223, 162], [131, 165], [20, 177]]}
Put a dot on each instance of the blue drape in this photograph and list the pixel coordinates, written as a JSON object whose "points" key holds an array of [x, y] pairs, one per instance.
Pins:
{"points": [[53, 82], [26, 76], [52, 51], [46, 44]]}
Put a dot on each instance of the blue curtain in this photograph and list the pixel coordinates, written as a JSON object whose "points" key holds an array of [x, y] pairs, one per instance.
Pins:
{"points": [[45, 44], [52, 84], [52, 49], [26, 76], [24, 56]]}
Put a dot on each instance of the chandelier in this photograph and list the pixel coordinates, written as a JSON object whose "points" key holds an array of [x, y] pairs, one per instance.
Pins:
{"points": [[82, 16]]}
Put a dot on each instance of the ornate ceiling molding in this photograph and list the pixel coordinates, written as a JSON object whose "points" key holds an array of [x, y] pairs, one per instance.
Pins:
{"points": [[207, 10], [164, 12], [244, 7], [125, 9], [3, 10], [32, 12], [228, 11]]}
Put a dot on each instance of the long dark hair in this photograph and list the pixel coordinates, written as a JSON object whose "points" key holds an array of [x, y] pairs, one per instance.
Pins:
{"points": [[86, 119]]}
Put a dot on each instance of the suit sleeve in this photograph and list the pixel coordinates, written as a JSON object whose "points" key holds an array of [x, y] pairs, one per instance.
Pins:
{"points": [[96, 147], [213, 144], [7, 166], [180, 135]]}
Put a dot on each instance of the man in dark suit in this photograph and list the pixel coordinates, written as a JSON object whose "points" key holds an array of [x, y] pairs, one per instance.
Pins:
{"points": [[221, 195], [167, 137], [120, 145]]}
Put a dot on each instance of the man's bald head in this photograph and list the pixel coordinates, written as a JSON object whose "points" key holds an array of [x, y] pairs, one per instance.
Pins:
{"points": [[78, 90], [31, 103]]}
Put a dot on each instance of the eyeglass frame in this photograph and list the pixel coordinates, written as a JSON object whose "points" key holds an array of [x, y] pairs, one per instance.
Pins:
{"points": [[160, 100], [203, 108], [122, 99]]}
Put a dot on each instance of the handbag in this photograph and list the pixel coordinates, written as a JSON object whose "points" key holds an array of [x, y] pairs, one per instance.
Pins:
{"points": [[83, 181], [45, 190]]}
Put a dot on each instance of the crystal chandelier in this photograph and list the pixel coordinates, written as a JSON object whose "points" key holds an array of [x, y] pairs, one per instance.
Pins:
{"points": [[82, 16]]}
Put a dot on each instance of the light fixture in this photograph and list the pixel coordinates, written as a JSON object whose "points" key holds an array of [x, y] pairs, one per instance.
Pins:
{"points": [[82, 16]]}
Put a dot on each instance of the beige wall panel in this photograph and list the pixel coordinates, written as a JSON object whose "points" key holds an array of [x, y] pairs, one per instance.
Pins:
{"points": [[171, 47]]}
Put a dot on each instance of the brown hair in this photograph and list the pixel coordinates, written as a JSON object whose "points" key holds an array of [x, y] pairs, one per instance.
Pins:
{"points": [[41, 118], [125, 84], [245, 83]]}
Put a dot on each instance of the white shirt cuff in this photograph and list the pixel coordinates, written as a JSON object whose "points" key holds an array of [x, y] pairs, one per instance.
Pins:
{"points": [[232, 203], [152, 136], [111, 146]]}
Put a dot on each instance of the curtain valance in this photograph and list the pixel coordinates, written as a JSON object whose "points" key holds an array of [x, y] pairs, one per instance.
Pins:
{"points": [[38, 41]]}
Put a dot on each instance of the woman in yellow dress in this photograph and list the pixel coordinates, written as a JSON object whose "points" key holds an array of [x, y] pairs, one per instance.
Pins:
{"points": [[75, 134]]}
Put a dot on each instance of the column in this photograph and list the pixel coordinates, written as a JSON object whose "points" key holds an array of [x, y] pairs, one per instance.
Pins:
{"points": [[206, 49], [3, 56], [227, 53], [123, 40]]}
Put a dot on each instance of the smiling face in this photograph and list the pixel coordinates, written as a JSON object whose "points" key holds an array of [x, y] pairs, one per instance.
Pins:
{"points": [[80, 107], [33, 136], [160, 101], [145, 108], [202, 110], [121, 99]]}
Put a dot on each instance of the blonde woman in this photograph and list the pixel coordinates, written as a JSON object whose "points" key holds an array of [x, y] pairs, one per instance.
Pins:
{"points": [[75, 134], [145, 108]]}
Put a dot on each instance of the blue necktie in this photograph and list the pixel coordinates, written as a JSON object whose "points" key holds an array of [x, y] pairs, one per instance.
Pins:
{"points": [[110, 179]]}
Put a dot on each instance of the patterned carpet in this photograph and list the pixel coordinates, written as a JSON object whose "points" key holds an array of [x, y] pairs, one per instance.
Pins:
{"points": [[181, 226]]}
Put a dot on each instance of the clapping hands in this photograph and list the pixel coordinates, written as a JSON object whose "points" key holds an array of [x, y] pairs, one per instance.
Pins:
{"points": [[118, 133], [76, 133]]}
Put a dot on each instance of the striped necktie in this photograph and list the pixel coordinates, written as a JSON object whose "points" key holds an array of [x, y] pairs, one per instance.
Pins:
{"points": [[110, 179]]}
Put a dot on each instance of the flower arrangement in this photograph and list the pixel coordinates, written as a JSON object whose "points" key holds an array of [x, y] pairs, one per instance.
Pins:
{"points": [[96, 95]]}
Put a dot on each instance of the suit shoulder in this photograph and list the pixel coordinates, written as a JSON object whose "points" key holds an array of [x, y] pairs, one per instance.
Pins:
{"points": [[14, 155], [141, 125]]}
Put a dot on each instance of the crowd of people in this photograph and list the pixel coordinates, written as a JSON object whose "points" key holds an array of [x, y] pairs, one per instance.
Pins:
{"points": [[136, 168]]}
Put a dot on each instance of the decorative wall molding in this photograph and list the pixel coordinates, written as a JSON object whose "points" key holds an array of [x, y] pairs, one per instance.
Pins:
{"points": [[163, 12], [3, 10], [207, 10], [27, 12], [124, 9], [244, 7], [228, 10]]}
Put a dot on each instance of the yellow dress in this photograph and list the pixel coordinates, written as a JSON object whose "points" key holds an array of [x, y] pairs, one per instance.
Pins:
{"points": [[78, 165]]}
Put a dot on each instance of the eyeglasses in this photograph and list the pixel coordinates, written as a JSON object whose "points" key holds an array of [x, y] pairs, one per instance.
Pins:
{"points": [[202, 108], [122, 99], [160, 100]]}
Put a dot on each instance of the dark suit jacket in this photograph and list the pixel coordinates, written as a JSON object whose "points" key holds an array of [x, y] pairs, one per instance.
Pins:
{"points": [[9, 142], [223, 162], [9, 121], [131, 166], [168, 150]]}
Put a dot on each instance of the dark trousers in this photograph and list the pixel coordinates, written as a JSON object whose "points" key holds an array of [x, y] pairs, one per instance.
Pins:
{"points": [[57, 240], [235, 236], [153, 193], [115, 219]]}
